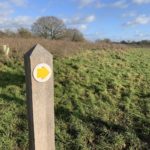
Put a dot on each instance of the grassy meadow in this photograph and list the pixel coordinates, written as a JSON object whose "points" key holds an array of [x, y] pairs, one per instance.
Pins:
{"points": [[102, 101]]}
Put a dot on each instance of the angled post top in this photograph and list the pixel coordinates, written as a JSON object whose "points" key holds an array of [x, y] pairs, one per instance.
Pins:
{"points": [[38, 50]]}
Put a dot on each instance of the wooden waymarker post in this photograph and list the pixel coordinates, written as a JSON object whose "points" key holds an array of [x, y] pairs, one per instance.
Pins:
{"points": [[40, 98]]}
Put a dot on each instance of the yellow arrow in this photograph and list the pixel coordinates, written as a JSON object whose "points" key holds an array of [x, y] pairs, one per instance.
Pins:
{"points": [[42, 72]]}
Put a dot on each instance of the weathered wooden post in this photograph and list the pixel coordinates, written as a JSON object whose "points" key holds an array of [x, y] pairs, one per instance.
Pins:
{"points": [[40, 98]]}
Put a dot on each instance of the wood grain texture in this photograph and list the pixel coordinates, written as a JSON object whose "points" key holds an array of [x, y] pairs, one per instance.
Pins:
{"points": [[40, 101]]}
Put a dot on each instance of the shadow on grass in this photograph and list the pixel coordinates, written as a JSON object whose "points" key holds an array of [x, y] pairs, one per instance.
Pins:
{"points": [[20, 128], [8, 78], [97, 122], [142, 129], [94, 124], [12, 99], [97, 125]]}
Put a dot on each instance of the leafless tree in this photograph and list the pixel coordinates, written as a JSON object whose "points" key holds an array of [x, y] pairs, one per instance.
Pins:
{"points": [[23, 32], [49, 27], [10, 33], [74, 35], [2, 33]]}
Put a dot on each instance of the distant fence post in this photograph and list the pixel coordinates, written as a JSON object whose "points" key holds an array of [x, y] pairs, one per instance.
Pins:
{"points": [[40, 98]]}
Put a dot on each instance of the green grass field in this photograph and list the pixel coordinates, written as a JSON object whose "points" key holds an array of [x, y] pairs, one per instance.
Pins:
{"points": [[102, 101]]}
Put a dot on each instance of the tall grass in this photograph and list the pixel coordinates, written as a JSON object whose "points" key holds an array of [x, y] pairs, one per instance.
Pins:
{"points": [[59, 48]]}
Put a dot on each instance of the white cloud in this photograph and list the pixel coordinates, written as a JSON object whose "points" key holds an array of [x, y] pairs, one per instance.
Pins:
{"points": [[17, 22], [129, 14], [99, 4], [120, 4], [6, 13], [4, 5], [87, 3], [84, 3], [8, 22], [139, 20], [116, 4], [5, 9], [90, 18], [65, 20], [83, 27], [75, 20], [79, 20], [141, 35], [19, 2], [141, 1]]}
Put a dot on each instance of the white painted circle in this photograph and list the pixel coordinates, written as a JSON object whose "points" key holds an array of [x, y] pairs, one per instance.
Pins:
{"points": [[42, 72]]}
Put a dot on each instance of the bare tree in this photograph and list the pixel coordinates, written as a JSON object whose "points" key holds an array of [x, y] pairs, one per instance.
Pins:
{"points": [[106, 40], [49, 27], [2, 33], [10, 33], [23, 32], [74, 35]]}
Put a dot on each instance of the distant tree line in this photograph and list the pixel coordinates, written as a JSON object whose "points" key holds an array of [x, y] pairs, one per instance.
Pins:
{"points": [[46, 27], [126, 42], [142, 42], [106, 40]]}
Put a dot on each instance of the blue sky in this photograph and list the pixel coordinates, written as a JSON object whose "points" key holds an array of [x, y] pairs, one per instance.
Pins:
{"points": [[96, 19]]}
